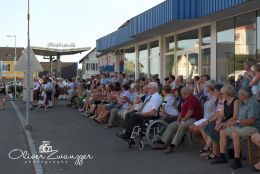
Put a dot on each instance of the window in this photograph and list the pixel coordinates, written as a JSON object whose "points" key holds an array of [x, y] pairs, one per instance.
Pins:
{"points": [[129, 62], [206, 35], [225, 50], [205, 61], [143, 61], [170, 65], [170, 44], [258, 36], [6, 67], [245, 43], [154, 58], [188, 40]]}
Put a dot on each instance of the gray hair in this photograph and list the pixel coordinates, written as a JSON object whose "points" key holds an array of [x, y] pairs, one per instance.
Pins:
{"points": [[210, 83], [186, 90], [229, 90], [153, 84], [246, 91]]}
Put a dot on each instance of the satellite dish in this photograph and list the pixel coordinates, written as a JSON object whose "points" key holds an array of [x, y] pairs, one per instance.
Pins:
{"points": [[22, 64]]}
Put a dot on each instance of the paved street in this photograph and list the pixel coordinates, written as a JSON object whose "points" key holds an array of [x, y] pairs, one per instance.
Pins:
{"points": [[12, 137], [72, 134]]}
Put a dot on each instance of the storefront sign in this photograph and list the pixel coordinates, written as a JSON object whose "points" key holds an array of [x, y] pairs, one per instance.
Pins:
{"points": [[59, 44]]}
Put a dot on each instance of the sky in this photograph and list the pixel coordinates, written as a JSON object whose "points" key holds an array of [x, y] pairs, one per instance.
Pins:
{"points": [[68, 21]]}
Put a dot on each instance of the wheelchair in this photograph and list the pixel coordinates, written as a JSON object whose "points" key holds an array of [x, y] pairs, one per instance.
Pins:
{"points": [[150, 131]]}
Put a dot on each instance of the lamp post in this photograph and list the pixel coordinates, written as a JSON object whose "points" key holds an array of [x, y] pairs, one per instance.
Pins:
{"points": [[27, 124], [14, 36]]}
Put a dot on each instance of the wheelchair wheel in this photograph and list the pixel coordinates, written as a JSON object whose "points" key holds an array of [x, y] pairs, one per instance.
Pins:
{"points": [[141, 145], [154, 131]]}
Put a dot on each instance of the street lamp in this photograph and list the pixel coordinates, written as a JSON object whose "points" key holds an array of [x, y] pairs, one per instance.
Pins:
{"points": [[27, 125], [14, 36]]}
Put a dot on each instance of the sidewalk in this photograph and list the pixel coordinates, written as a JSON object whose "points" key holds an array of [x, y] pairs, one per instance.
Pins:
{"points": [[12, 137], [72, 134]]}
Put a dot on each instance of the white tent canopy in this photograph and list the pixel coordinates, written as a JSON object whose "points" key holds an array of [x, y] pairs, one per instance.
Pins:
{"points": [[22, 64]]}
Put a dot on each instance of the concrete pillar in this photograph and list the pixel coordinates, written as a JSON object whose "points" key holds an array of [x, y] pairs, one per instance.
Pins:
{"points": [[200, 55], [117, 60], [50, 65], [162, 62], [136, 62], [213, 56], [58, 67], [149, 62]]}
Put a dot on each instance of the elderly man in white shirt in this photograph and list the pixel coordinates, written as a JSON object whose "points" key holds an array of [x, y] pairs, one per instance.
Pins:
{"points": [[148, 111]]}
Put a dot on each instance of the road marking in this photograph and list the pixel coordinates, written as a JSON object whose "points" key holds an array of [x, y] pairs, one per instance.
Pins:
{"points": [[37, 166], [19, 113]]}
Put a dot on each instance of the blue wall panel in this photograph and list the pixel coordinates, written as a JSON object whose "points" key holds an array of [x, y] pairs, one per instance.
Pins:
{"points": [[161, 14]]}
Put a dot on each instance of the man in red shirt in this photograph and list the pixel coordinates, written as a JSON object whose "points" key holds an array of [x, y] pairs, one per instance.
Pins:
{"points": [[191, 111]]}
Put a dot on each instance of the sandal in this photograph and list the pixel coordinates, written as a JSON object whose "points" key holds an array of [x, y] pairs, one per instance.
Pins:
{"points": [[204, 149], [211, 156], [204, 154]]}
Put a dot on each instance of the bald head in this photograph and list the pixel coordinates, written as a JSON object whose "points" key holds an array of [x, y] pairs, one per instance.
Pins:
{"points": [[185, 92]]}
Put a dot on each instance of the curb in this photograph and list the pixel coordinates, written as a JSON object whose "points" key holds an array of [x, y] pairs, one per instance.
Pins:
{"points": [[37, 166]]}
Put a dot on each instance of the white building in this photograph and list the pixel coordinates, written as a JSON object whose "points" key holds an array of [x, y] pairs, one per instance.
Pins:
{"points": [[189, 38], [90, 66]]}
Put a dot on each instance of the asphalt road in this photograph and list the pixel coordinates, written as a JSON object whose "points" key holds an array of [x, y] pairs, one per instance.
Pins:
{"points": [[12, 137], [72, 134]]}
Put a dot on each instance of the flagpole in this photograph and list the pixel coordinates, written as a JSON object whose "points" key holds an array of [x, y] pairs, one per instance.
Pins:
{"points": [[27, 125]]}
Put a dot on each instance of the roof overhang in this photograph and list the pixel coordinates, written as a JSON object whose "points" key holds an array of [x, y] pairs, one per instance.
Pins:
{"points": [[177, 25], [41, 51], [171, 16]]}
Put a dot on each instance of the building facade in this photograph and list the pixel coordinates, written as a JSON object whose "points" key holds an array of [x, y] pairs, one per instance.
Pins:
{"points": [[68, 69], [188, 37], [7, 57], [90, 65]]}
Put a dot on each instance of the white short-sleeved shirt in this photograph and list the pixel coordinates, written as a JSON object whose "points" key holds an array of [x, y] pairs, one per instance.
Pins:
{"points": [[70, 86], [48, 86], [62, 84], [168, 105], [153, 103], [36, 86], [125, 94]]}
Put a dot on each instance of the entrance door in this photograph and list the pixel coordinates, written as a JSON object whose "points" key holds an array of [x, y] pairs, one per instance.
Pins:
{"points": [[187, 64]]}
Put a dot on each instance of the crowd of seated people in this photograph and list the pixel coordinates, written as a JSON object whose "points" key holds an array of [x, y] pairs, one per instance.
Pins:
{"points": [[214, 112]]}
